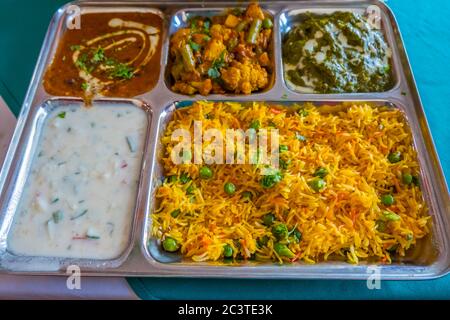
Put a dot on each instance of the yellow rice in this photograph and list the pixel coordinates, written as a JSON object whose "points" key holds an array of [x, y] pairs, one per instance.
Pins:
{"points": [[339, 222]]}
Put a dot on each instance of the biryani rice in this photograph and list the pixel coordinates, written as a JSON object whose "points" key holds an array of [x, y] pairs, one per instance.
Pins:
{"points": [[341, 221]]}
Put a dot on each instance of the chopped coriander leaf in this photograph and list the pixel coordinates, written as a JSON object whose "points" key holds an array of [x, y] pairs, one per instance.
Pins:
{"points": [[206, 24], [74, 47], [284, 164], [57, 216], [84, 86], [184, 178], [320, 172], [255, 124], [62, 115], [213, 73], [132, 144], [98, 56], [194, 46], [269, 181], [122, 71], [79, 215]]}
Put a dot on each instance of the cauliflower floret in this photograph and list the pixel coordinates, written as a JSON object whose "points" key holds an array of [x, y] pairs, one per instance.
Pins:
{"points": [[254, 11], [220, 32], [245, 77], [178, 39], [214, 49]]}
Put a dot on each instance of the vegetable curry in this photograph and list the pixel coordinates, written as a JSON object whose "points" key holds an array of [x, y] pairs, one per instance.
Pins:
{"points": [[228, 53], [113, 54]]}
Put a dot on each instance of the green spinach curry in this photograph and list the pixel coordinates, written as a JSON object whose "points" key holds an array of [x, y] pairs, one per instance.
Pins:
{"points": [[335, 53]]}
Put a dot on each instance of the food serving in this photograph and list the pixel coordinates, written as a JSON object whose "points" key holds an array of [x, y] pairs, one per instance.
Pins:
{"points": [[112, 54], [347, 187], [80, 195], [229, 53], [336, 53]]}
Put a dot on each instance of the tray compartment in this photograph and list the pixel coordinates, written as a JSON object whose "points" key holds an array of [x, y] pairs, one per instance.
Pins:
{"points": [[24, 158], [292, 17], [427, 258], [180, 20]]}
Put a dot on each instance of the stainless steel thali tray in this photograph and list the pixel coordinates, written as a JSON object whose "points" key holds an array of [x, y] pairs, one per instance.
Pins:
{"points": [[429, 260]]}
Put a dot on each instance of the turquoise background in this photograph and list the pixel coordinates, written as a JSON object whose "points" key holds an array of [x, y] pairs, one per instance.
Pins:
{"points": [[425, 28]]}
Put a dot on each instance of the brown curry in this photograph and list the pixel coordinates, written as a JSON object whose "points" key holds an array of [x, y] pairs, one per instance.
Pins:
{"points": [[113, 54]]}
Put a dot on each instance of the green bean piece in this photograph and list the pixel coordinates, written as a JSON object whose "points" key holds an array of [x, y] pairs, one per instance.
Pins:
{"points": [[283, 251], [241, 26], [170, 244], [267, 23], [283, 148], [297, 235], [253, 32], [391, 216], [227, 251], [188, 57], [175, 213]]}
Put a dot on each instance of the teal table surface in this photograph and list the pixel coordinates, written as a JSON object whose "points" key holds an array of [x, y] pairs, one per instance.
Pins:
{"points": [[426, 32]]}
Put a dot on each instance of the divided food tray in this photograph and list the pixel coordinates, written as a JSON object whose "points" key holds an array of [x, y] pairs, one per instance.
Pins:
{"points": [[142, 258]]}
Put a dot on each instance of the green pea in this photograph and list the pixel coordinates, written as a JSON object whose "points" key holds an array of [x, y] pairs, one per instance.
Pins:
{"points": [[380, 225], [247, 195], [175, 213], [283, 148], [170, 244], [317, 184], [387, 199], [206, 173], [407, 178], [320, 172], [229, 188], [267, 23], [394, 157], [268, 219], [282, 250], [227, 251], [391, 216], [255, 124], [280, 231]]}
